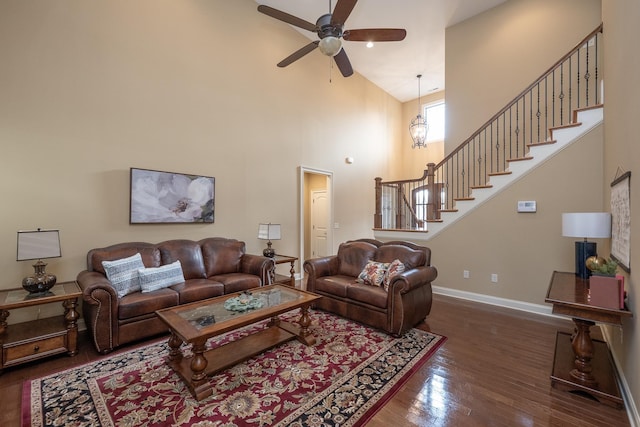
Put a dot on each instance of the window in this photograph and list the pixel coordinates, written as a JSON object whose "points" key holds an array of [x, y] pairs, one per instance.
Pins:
{"points": [[434, 115]]}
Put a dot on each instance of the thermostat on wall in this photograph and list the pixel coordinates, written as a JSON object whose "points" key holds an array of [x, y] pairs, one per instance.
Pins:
{"points": [[527, 206]]}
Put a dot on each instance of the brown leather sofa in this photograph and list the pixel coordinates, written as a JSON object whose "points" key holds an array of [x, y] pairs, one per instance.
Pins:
{"points": [[211, 267], [407, 301]]}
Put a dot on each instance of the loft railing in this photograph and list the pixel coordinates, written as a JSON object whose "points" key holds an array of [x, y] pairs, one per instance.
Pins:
{"points": [[570, 84]]}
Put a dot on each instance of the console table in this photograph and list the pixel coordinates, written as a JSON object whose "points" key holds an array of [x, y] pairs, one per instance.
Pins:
{"points": [[580, 363]]}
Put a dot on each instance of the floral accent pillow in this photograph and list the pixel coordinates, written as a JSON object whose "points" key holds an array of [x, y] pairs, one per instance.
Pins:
{"points": [[396, 267], [373, 273]]}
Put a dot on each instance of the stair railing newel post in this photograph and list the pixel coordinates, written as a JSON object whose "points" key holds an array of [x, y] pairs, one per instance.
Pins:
{"points": [[400, 207], [377, 217]]}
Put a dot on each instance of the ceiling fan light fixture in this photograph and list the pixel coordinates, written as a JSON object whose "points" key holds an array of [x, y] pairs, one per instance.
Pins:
{"points": [[418, 128], [330, 45]]}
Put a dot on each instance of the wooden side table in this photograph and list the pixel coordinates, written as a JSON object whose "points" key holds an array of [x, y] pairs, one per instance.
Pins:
{"points": [[24, 342], [289, 280], [580, 363]]}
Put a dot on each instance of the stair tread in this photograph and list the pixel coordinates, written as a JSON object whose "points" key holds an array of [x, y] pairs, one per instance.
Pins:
{"points": [[448, 210], [535, 144], [479, 187], [499, 173], [519, 159], [459, 199]]}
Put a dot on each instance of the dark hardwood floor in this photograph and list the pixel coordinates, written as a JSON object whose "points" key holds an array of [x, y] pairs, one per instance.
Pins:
{"points": [[492, 371]]}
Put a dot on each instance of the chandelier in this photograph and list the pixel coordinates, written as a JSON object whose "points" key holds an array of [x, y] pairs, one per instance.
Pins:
{"points": [[418, 127]]}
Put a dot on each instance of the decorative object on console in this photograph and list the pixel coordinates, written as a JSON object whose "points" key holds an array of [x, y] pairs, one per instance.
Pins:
{"points": [[38, 244], [587, 225], [167, 197], [418, 127], [605, 288], [269, 232]]}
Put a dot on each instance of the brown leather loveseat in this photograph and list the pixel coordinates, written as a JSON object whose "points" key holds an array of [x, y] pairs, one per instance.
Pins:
{"points": [[211, 267], [405, 302]]}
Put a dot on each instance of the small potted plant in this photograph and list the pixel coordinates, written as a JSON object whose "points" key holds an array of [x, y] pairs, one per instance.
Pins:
{"points": [[605, 289]]}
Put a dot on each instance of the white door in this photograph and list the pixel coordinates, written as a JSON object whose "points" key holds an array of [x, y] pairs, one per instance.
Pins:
{"points": [[319, 223]]}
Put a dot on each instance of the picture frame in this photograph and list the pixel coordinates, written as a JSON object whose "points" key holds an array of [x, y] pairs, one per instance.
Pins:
{"points": [[621, 220], [158, 197]]}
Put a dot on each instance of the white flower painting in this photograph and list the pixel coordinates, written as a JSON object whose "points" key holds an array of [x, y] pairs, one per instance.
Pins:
{"points": [[165, 197]]}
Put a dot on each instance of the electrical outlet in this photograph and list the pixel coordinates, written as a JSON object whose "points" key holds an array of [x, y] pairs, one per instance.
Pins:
{"points": [[494, 278], [465, 274]]}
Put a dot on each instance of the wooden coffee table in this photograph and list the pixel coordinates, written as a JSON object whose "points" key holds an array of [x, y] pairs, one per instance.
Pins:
{"points": [[195, 323]]}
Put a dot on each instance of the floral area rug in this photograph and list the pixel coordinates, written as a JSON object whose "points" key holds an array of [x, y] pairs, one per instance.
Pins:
{"points": [[343, 379]]}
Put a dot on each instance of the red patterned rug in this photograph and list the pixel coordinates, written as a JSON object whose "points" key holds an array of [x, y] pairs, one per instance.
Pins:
{"points": [[350, 373]]}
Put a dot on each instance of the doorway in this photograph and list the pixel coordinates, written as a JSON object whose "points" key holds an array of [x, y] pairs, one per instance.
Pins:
{"points": [[316, 214]]}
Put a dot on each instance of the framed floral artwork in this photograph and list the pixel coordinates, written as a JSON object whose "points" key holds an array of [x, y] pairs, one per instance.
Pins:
{"points": [[169, 197]]}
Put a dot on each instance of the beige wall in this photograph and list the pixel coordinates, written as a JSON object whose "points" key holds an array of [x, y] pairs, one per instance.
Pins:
{"points": [[90, 89], [492, 57], [523, 248], [622, 151]]}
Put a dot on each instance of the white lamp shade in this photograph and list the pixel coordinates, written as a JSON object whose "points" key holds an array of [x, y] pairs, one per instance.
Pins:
{"points": [[587, 225], [269, 231], [38, 244]]}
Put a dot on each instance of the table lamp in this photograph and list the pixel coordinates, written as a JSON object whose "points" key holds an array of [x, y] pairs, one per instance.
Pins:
{"points": [[587, 225], [269, 232], [38, 244]]}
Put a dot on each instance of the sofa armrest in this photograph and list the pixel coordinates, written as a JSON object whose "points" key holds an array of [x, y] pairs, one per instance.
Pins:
{"points": [[320, 267], [258, 265], [411, 279], [100, 309]]}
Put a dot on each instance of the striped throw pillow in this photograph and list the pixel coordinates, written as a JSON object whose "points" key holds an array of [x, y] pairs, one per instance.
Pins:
{"points": [[152, 279], [123, 274]]}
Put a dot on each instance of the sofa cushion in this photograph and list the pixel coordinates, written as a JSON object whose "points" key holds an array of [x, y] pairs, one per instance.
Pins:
{"points": [[222, 256], [365, 294], [236, 282], [353, 256], [188, 253], [138, 303], [334, 285], [149, 253], [198, 289], [373, 273], [123, 274], [395, 268], [411, 258], [155, 278]]}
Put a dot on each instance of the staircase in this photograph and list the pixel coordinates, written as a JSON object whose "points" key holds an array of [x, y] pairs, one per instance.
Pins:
{"points": [[584, 120], [553, 112]]}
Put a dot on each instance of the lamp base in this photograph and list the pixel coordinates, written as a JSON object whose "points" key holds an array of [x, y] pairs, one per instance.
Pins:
{"points": [[584, 250], [269, 251], [41, 281]]}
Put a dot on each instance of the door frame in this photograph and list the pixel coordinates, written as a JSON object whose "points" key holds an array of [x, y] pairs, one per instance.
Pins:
{"points": [[302, 170]]}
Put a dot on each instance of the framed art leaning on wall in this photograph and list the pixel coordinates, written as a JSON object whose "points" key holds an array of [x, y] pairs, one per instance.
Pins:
{"points": [[621, 220], [169, 197]]}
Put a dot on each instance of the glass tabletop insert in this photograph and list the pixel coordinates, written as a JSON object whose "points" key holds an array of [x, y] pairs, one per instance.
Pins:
{"points": [[246, 302]]}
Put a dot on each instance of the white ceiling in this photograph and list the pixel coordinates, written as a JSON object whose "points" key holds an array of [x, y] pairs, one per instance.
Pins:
{"points": [[393, 66]]}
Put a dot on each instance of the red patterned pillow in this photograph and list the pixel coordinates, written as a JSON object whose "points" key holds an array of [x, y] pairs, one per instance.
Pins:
{"points": [[396, 267], [373, 273]]}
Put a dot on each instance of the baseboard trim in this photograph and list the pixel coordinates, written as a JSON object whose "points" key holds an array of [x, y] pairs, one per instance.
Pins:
{"points": [[544, 310], [632, 409]]}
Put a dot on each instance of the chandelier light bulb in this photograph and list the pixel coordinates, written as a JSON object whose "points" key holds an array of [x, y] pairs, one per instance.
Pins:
{"points": [[330, 45]]}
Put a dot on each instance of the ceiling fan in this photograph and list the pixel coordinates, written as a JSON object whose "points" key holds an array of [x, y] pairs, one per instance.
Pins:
{"points": [[330, 29]]}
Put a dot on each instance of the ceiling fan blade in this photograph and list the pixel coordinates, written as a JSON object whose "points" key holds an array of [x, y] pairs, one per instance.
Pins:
{"points": [[298, 54], [342, 11], [343, 63], [375, 35], [285, 17]]}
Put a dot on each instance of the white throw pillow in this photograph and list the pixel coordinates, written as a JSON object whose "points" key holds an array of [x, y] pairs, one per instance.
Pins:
{"points": [[152, 279], [123, 274]]}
